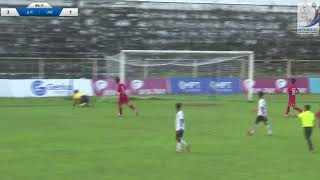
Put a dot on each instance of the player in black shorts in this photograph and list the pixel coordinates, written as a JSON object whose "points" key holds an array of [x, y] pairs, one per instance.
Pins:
{"points": [[180, 128], [81, 100], [262, 116]]}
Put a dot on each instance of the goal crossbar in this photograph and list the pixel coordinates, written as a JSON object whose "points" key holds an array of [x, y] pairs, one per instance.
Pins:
{"points": [[186, 52], [250, 54]]}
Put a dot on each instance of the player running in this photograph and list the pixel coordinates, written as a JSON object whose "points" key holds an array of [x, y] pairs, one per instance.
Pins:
{"points": [[180, 128], [307, 120], [262, 116], [81, 100], [123, 97], [292, 92]]}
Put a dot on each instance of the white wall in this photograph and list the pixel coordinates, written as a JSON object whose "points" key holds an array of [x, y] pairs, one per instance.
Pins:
{"points": [[44, 87], [5, 88]]}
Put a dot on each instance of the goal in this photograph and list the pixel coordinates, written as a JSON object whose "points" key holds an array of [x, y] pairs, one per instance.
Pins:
{"points": [[186, 64]]}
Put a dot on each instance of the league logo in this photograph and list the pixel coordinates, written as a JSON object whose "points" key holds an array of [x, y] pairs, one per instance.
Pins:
{"points": [[281, 83], [249, 84], [38, 88], [101, 85], [136, 84]]}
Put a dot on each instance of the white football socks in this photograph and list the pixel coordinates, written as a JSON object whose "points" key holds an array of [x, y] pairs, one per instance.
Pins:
{"points": [[179, 146], [254, 129], [269, 129]]}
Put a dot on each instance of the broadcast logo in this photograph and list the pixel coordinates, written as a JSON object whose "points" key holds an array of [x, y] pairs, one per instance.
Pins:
{"points": [[308, 17]]}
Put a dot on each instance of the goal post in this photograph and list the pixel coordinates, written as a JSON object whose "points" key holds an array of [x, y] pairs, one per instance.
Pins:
{"points": [[183, 63]]}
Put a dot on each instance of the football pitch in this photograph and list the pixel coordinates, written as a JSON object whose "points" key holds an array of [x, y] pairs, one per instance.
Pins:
{"points": [[49, 139]]}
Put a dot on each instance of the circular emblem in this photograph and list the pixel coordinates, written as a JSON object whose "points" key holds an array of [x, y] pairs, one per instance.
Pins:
{"points": [[136, 84], [38, 88]]}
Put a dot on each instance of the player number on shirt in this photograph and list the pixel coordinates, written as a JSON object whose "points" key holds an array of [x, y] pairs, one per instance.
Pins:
{"points": [[294, 91]]}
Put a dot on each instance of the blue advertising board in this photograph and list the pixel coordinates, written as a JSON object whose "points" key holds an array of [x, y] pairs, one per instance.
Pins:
{"points": [[315, 85], [205, 86], [225, 86]]}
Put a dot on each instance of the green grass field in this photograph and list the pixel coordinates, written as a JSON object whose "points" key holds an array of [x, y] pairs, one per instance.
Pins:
{"points": [[48, 139]]}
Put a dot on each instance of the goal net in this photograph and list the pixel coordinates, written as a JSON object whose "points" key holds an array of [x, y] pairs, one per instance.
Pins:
{"points": [[186, 64]]}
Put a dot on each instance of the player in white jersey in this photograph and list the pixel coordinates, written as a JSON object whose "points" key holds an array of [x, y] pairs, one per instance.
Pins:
{"points": [[180, 128], [262, 116]]}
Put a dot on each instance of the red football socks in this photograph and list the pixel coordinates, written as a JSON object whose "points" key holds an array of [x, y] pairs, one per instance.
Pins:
{"points": [[120, 111]]}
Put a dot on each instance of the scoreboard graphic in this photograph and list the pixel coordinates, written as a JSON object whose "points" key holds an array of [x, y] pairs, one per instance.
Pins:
{"points": [[40, 9]]}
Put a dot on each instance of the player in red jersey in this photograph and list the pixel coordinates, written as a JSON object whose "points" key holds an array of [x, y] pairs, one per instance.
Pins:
{"points": [[292, 92], [123, 97]]}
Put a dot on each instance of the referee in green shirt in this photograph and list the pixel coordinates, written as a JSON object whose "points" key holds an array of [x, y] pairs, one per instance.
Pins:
{"points": [[307, 119]]}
